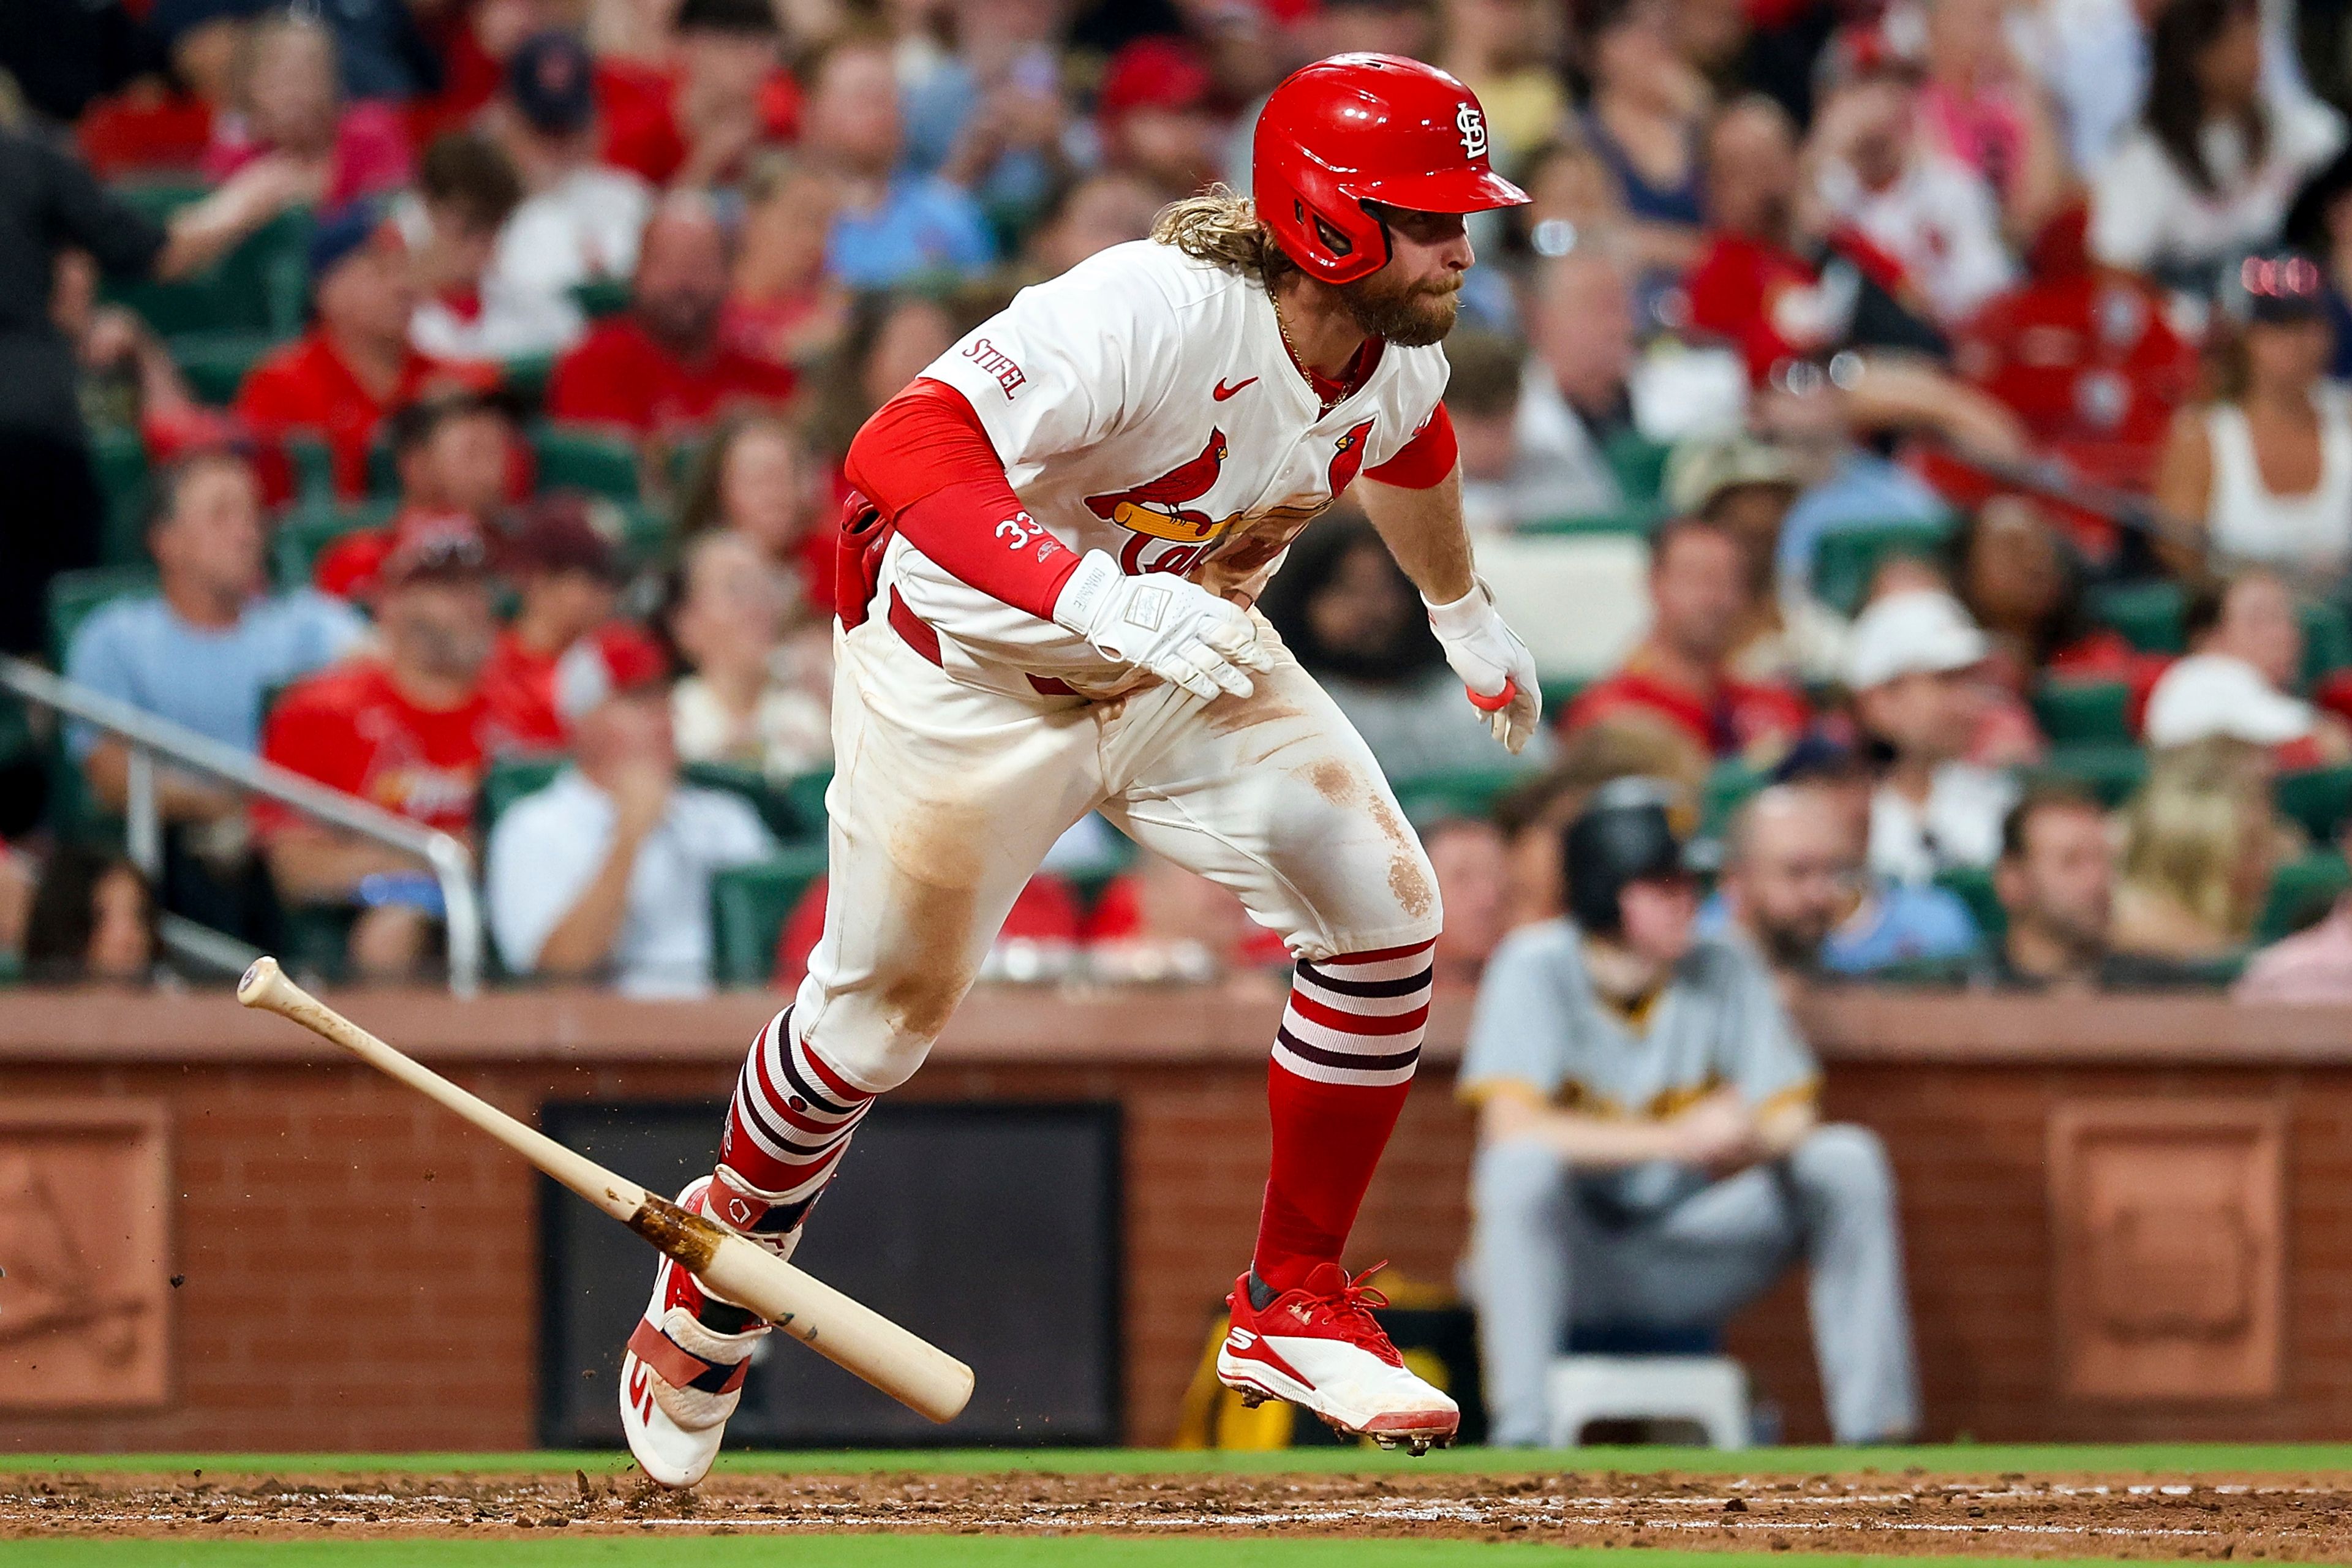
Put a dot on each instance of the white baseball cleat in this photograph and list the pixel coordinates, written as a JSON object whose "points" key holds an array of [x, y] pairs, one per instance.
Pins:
{"points": [[683, 1373], [1320, 1347]]}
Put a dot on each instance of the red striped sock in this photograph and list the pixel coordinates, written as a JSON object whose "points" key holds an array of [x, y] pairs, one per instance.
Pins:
{"points": [[791, 1120], [1343, 1061]]}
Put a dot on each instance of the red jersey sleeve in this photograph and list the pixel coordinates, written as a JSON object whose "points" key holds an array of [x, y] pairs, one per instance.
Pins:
{"points": [[927, 464], [1425, 461]]}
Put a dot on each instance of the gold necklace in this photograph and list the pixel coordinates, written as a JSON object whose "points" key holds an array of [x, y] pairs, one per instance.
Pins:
{"points": [[1297, 363]]}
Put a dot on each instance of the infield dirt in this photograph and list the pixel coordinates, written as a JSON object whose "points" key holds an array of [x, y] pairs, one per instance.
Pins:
{"points": [[2271, 1516]]}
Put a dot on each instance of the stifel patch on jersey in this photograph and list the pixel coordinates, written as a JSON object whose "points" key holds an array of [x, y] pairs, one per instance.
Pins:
{"points": [[998, 363]]}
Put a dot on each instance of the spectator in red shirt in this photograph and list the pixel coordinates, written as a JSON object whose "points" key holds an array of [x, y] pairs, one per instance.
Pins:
{"points": [[723, 92], [1680, 674], [355, 364], [664, 363], [1158, 115], [409, 731], [289, 101], [1775, 281], [563, 651], [2023, 582], [2085, 355], [454, 453], [758, 478], [781, 307]]}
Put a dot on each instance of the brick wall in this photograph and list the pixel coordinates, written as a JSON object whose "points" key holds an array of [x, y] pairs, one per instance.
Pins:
{"points": [[359, 1269]]}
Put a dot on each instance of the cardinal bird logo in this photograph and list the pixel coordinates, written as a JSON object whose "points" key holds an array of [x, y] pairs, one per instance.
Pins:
{"points": [[1349, 456], [1158, 508]]}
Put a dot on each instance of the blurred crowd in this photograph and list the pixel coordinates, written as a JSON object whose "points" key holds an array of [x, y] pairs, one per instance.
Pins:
{"points": [[445, 400]]}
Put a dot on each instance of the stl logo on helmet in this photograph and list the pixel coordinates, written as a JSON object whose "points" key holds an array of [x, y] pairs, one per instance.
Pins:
{"points": [[1471, 122]]}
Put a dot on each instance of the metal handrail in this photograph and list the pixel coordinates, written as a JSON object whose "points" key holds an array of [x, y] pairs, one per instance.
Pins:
{"points": [[149, 737]]}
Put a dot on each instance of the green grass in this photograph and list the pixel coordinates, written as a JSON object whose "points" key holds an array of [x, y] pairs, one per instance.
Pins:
{"points": [[1962, 1459], [884, 1551]]}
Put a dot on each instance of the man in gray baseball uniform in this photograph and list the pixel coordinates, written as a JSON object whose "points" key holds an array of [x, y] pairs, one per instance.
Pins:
{"points": [[1649, 1151]]}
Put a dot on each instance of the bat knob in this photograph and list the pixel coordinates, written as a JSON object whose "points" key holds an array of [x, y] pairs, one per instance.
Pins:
{"points": [[258, 981]]}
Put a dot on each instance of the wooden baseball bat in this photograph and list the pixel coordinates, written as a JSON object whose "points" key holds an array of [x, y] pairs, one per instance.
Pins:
{"points": [[903, 1365]]}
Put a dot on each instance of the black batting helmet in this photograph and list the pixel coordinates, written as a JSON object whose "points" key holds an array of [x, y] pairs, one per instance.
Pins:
{"points": [[1623, 834]]}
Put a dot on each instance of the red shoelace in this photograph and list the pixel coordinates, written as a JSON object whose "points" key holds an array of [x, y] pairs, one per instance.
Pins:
{"points": [[1349, 1311]]}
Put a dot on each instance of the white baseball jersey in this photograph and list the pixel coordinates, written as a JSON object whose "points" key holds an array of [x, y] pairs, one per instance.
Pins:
{"points": [[1143, 403]]}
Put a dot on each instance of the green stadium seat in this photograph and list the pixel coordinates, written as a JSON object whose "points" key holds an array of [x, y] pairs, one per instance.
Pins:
{"points": [[1640, 465], [640, 532], [313, 462], [303, 534], [526, 376], [1845, 561], [2084, 710], [382, 467], [600, 297], [216, 362], [2317, 798], [1729, 785], [2326, 640], [261, 287], [1972, 885], [2148, 614], [1636, 522], [748, 905], [2110, 770], [1561, 692], [806, 792], [512, 778], [508, 781], [1465, 792], [775, 805], [578, 458], [75, 596], [120, 457], [2301, 891]]}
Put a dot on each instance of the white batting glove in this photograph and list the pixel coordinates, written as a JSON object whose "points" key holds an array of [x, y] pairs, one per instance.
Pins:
{"points": [[1178, 630], [1493, 663]]}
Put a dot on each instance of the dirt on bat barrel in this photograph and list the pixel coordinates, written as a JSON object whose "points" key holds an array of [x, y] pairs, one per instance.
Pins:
{"points": [[689, 1237]]}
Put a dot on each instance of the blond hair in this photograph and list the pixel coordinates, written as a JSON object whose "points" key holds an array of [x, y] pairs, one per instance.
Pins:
{"points": [[1220, 227], [2189, 831]]}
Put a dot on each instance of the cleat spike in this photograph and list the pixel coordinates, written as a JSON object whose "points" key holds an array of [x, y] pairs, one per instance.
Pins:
{"points": [[1252, 1399], [1420, 1446]]}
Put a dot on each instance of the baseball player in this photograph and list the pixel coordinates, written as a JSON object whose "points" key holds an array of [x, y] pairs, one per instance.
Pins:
{"points": [[1648, 1148], [1059, 532]]}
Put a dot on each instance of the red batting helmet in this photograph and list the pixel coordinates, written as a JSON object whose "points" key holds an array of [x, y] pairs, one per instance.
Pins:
{"points": [[1367, 127]]}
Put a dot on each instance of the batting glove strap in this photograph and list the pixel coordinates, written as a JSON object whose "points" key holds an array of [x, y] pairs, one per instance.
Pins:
{"points": [[1493, 663], [1176, 630]]}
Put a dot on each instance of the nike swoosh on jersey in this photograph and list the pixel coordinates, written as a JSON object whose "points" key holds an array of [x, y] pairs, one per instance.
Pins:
{"points": [[1220, 391]]}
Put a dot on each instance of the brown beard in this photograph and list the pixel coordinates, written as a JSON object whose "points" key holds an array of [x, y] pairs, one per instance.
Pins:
{"points": [[1411, 318]]}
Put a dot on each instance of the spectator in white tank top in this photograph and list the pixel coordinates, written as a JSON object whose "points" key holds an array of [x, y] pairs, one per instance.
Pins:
{"points": [[2267, 469]]}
